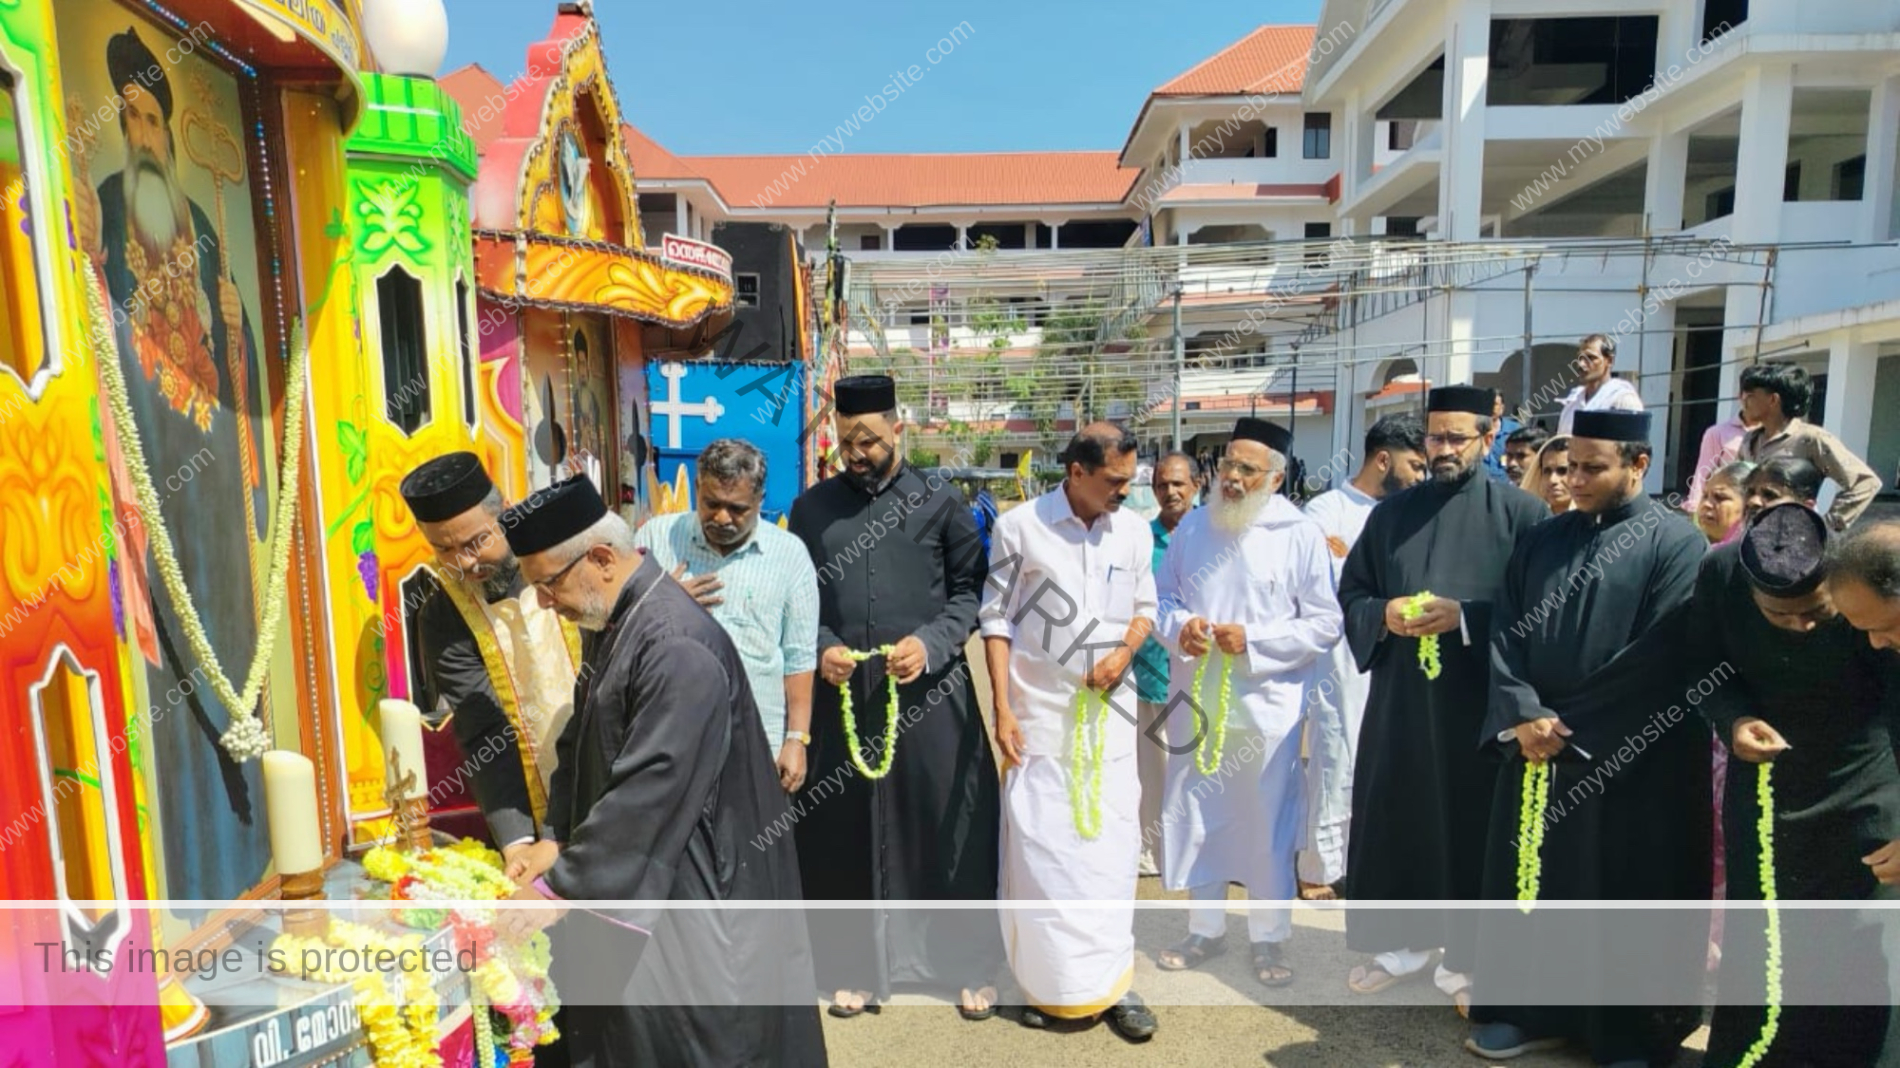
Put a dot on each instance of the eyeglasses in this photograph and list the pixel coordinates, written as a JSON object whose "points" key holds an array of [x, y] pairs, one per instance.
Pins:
{"points": [[1240, 467], [1456, 441], [547, 585]]}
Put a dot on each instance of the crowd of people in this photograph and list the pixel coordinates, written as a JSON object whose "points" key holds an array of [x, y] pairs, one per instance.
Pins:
{"points": [[1407, 691]]}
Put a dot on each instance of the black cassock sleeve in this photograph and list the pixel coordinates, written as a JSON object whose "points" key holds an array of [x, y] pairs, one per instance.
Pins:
{"points": [[807, 526], [457, 673], [1513, 700], [1708, 649], [964, 569], [1361, 597], [628, 845]]}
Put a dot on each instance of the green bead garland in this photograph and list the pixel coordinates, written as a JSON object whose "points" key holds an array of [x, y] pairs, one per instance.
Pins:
{"points": [[851, 721], [1427, 643], [1530, 833], [1085, 763], [1765, 833], [1214, 743]]}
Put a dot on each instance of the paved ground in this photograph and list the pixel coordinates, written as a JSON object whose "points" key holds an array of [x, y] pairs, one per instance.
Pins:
{"points": [[1213, 1017]]}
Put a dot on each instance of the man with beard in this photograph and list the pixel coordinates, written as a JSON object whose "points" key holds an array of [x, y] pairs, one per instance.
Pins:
{"points": [[1247, 584], [1176, 483], [1801, 692], [1071, 566], [664, 793], [1394, 461], [1421, 790], [185, 349], [903, 801], [504, 664], [1587, 655], [757, 582]]}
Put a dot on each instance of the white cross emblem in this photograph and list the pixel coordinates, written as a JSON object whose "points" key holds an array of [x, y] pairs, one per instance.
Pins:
{"points": [[673, 407]]}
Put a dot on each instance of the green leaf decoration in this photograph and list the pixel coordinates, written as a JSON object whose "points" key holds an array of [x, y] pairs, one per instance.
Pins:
{"points": [[355, 447], [363, 537]]}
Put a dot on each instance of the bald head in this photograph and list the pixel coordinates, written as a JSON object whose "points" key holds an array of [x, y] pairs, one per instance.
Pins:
{"points": [[1863, 578]]}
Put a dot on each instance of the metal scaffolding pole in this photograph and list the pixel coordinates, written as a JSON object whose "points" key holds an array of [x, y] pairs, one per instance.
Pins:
{"points": [[1180, 357]]}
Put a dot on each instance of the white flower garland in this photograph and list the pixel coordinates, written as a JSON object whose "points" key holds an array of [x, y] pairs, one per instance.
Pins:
{"points": [[246, 739]]}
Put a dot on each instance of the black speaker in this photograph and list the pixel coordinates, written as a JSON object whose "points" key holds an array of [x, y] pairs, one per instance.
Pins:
{"points": [[765, 258]]}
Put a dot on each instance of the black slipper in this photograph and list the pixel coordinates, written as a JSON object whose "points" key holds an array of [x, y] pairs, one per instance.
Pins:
{"points": [[843, 1013], [973, 1015], [1268, 956], [1194, 951]]}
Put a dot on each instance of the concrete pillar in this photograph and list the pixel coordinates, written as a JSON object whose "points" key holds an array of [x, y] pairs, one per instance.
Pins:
{"points": [[1664, 182], [1762, 158], [1467, 69], [1850, 391], [1654, 354], [1883, 139], [1360, 145], [1460, 318], [890, 235], [679, 214], [963, 235], [1181, 156]]}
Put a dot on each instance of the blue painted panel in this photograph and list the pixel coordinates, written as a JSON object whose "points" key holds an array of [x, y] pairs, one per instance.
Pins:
{"points": [[690, 405]]}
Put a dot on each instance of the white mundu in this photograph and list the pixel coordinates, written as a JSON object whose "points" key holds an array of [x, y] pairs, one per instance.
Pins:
{"points": [[1337, 708], [1243, 825], [1057, 589]]}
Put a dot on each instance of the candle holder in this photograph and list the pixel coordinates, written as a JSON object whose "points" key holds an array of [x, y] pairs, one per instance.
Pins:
{"points": [[408, 809], [304, 922]]}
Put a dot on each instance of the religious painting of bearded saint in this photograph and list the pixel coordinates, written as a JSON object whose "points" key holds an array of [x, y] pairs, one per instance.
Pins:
{"points": [[163, 209]]}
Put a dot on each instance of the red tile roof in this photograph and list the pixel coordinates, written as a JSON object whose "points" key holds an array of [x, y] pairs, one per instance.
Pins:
{"points": [[474, 88], [1271, 59], [916, 180], [650, 159]]}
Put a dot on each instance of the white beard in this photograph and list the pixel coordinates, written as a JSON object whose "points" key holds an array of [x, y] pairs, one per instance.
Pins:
{"points": [[153, 208], [1234, 517], [595, 610]]}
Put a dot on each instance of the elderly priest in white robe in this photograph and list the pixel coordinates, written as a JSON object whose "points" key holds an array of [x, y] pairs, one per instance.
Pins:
{"points": [[1070, 598], [664, 793], [1247, 606]]}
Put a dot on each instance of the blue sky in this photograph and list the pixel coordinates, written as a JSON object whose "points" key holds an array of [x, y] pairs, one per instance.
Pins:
{"points": [[771, 77]]}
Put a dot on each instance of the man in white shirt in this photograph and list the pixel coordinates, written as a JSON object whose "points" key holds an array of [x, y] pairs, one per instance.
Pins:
{"points": [[1069, 599], [1248, 584], [1601, 390], [1394, 460]]}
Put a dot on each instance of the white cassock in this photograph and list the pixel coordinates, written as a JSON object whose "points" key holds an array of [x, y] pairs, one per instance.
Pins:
{"points": [[1064, 594], [1337, 708], [1244, 823]]}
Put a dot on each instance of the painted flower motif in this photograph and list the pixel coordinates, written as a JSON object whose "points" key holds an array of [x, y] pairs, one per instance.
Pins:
{"points": [[391, 216]]}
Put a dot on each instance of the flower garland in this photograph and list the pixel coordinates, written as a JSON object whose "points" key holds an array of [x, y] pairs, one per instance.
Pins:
{"points": [[398, 1038], [1765, 834], [511, 978], [1085, 763], [246, 738], [1530, 832], [1214, 743], [851, 721], [1427, 643]]}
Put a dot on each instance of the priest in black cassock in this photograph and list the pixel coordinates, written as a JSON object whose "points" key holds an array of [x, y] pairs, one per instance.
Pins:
{"points": [[1421, 791], [1587, 685], [1802, 694], [664, 792], [900, 563]]}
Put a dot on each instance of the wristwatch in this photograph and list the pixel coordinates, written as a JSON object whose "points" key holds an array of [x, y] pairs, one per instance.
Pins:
{"points": [[801, 737]]}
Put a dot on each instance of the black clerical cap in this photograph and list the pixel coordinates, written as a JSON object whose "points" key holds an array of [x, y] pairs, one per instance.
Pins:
{"points": [[130, 62], [446, 486], [1460, 399], [1272, 435], [865, 395], [551, 516], [1783, 549], [1610, 425]]}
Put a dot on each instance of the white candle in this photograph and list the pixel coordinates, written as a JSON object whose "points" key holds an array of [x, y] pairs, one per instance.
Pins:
{"points": [[290, 803], [402, 731]]}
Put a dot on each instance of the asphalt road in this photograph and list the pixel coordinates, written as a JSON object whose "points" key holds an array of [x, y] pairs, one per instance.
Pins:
{"points": [[1213, 1017]]}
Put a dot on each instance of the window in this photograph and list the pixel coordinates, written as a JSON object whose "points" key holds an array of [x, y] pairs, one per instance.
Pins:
{"points": [[870, 242], [22, 339], [1720, 203], [468, 355], [405, 368], [1791, 181], [1850, 176], [1720, 16], [1273, 143], [1401, 134], [1561, 62], [1401, 225], [745, 290], [1314, 232], [1319, 136]]}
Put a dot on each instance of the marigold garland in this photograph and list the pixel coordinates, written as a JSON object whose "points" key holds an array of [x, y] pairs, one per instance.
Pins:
{"points": [[1530, 832], [246, 738], [1086, 744], [889, 754], [1427, 643], [1214, 743], [1765, 835], [398, 1037]]}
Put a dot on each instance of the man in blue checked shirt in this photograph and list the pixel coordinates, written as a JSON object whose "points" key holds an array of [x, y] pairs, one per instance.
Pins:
{"points": [[758, 582], [1177, 481]]}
